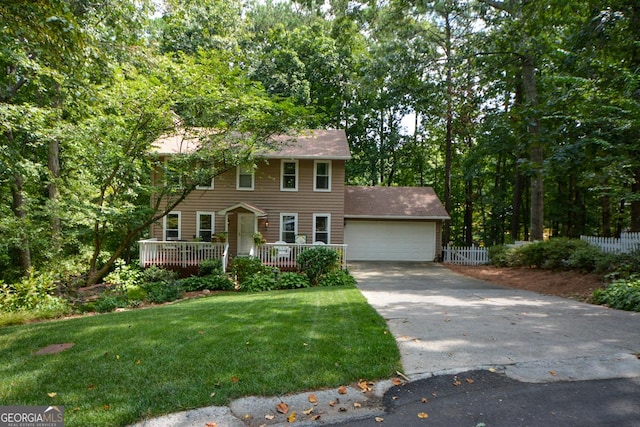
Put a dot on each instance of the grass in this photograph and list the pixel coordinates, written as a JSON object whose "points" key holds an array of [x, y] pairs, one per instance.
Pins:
{"points": [[130, 365]]}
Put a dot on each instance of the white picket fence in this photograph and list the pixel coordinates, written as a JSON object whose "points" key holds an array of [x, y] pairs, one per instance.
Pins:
{"points": [[628, 242], [462, 255]]}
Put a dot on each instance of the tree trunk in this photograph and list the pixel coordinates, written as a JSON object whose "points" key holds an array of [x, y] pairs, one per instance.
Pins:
{"points": [[635, 203], [517, 203], [446, 233], [54, 170], [536, 152], [18, 208], [605, 203]]}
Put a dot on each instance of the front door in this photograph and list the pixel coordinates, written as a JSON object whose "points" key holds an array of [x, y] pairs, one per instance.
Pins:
{"points": [[246, 228]]}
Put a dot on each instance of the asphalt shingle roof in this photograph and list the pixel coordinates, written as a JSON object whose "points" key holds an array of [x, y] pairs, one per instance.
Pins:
{"points": [[393, 203]]}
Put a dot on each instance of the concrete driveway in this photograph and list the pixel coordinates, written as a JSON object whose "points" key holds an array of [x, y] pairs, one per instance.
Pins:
{"points": [[445, 322]]}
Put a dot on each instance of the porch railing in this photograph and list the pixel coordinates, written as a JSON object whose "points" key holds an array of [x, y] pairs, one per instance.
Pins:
{"points": [[181, 254], [284, 255]]}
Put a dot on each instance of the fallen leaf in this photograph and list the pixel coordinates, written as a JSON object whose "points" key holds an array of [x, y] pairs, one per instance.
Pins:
{"points": [[200, 332], [357, 405], [315, 417], [332, 403], [269, 417], [138, 361], [342, 390], [553, 373], [379, 419], [342, 409], [211, 425], [492, 369], [394, 398], [291, 418], [365, 386], [434, 394], [117, 357], [90, 387], [424, 400], [396, 381], [234, 379], [107, 407], [308, 411], [313, 398], [247, 416], [470, 381], [282, 407], [423, 415], [52, 394], [457, 383]]}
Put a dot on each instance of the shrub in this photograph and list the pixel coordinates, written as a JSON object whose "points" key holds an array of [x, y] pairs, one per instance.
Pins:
{"points": [[124, 275], [549, 254], [245, 267], [33, 292], [337, 278], [316, 262], [156, 274], [500, 256], [159, 292], [291, 280], [217, 282], [260, 281], [107, 303], [209, 267], [585, 259], [623, 294]]}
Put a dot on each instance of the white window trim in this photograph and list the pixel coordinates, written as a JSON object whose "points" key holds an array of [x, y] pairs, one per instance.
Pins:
{"points": [[213, 222], [253, 179], [203, 187], [282, 162], [164, 224], [281, 231], [315, 175], [328, 216]]}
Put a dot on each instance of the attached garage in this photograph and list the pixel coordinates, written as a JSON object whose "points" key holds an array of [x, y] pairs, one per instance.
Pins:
{"points": [[393, 223]]}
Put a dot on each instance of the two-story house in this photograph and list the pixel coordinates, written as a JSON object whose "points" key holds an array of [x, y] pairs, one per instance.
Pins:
{"points": [[297, 195]]}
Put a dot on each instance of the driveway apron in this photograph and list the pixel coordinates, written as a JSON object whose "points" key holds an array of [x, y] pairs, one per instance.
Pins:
{"points": [[446, 322]]}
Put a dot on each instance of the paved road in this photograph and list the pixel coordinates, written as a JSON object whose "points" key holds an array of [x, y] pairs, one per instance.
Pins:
{"points": [[542, 360]]}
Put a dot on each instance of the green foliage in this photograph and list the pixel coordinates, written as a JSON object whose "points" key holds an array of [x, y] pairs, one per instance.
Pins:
{"points": [[210, 266], [212, 282], [549, 254], [316, 262], [156, 274], [107, 303], [124, 275], [160, 292], [264, 280], [500, 255], [337, 277], [245, 267], [291, 280], [623, 294], [585, 259]]}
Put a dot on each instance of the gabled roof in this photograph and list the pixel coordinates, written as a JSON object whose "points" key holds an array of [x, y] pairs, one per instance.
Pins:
{"points": [[310, 144], [255, 210], [393, 203]]}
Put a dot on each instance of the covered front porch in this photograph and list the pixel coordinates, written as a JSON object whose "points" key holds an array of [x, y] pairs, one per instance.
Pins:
{"points": [[186, 256]]}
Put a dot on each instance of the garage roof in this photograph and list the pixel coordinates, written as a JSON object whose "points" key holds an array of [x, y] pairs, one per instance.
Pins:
{"points": [[393, 203]]}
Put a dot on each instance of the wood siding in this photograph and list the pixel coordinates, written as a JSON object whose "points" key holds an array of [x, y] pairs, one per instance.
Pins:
{"points": [[268, 197]]}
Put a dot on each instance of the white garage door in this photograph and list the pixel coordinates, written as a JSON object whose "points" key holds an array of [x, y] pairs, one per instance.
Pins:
{"points": [[390, 240]]}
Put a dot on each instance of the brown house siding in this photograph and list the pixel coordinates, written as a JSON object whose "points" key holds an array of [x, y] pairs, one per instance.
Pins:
{"points": [[268, 197]]}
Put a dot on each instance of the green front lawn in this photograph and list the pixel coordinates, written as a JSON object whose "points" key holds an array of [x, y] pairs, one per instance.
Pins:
{"points": [[129, 365]]}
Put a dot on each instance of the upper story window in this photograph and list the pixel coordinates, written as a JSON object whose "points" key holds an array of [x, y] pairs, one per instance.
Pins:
{"points": [[289, 175], [322, 175], [204, 225], [205, 184], [245, 177], [171, 226], [288, 227]]}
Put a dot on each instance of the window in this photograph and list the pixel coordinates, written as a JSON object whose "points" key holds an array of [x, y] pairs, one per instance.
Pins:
{"points": [[171, 226], [321, 227], [288, 227], [245, 177], [205, 224], [322, 176], [289, 181], [205, 183]]}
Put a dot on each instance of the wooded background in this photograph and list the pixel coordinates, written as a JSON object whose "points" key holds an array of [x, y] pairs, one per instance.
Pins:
{"points": [[523, 115]]}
